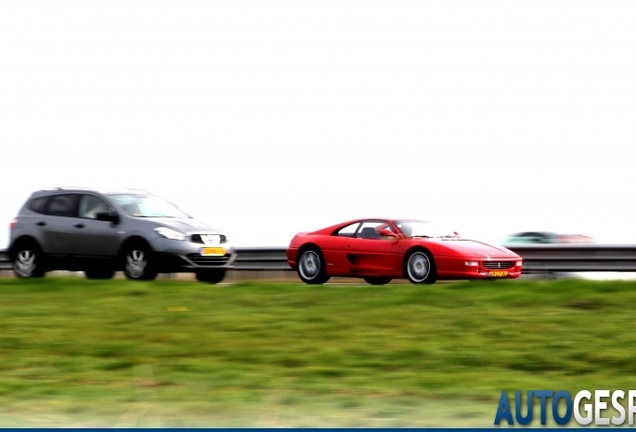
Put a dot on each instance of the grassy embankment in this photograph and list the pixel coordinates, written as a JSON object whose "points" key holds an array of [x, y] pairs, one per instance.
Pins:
{"points": [[75, 352]]}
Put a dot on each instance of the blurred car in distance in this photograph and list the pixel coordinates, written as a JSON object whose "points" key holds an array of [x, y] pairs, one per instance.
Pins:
{"points": [[544, 237], [99, 233], [379, 250]]}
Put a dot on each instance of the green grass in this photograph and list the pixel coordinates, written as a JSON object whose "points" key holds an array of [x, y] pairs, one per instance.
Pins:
{"points": [[75, 352]]}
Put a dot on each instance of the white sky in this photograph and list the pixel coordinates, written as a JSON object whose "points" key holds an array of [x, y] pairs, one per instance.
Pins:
{"points": [[271, 117]]}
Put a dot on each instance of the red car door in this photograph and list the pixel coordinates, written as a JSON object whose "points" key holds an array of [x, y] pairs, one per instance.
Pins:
{"points": [[370, 254]]}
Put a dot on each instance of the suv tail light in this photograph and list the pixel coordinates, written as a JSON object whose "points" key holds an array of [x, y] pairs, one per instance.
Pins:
{"points": [[12, 223]]}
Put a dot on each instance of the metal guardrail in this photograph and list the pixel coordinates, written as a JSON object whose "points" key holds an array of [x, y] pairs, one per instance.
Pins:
{"points": [[261, 259], [536, 258], [247, 259], [576, 258]]}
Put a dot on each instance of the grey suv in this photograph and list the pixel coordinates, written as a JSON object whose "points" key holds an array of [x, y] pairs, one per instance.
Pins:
{"points": [[99, 233]]}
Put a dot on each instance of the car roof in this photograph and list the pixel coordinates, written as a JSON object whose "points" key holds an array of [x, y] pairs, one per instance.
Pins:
{"points": [[390, 219], [333, 227], [46, 191], [533, 233]]}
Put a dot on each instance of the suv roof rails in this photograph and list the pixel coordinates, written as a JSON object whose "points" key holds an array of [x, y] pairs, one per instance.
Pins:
{"points": [[66, 188], [48, 189]]}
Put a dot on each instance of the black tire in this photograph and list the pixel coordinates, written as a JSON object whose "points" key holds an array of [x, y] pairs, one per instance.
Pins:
{"points": [[211, 276], [377, 280], [138, 262], [28, 260], [311, 266], [99, 273], [419, 267]]}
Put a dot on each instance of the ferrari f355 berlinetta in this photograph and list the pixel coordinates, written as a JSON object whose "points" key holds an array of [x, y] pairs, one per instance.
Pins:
{"points": [[380, 250]]}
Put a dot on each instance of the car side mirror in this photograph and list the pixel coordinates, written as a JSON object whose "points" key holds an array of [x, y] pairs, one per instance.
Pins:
{"points": [[108, 216], [387, 233]]}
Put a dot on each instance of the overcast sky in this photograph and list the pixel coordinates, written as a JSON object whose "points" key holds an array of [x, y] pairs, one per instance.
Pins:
{"points": [[267, 118]]}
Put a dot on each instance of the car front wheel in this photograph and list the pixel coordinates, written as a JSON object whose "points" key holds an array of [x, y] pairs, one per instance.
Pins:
{"points": [[420, 268], [311, 266], [138, 262]]}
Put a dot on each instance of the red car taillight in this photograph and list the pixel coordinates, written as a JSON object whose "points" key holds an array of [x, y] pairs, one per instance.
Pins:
{"points": [[12, 223]]}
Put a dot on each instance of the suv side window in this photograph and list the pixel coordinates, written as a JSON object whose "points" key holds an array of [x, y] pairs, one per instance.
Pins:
{"points": [[62, 205], [90, 205], [37, 205]]}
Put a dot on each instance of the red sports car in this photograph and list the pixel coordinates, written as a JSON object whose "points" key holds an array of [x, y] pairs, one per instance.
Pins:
{"points": [[380, 250]]}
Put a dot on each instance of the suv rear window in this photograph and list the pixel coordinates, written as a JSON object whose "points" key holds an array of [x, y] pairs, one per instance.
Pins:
{"points": [[37, 205]]}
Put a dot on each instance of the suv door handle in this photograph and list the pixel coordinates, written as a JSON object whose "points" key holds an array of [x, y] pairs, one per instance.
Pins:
{"points": [[41, 223], [79, 225]]}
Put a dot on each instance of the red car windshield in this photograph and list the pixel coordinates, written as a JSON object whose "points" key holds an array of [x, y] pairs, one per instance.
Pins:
{"points": [[417, 228]]}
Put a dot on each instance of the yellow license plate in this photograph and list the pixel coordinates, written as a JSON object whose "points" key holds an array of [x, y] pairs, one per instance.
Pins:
{"points": [[500, 273], [212, 251]]}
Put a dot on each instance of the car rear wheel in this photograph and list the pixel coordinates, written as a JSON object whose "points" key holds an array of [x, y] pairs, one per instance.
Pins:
{"points": [[377, 280], [28, 261], [138, 262], [211, 276], [419, 268], [311, 266]]}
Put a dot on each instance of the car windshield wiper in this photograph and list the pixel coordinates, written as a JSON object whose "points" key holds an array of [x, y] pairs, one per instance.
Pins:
{"points": [[422, 236]]}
